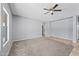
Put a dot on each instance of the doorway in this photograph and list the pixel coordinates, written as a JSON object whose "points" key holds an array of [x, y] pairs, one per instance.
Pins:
{"points": [[78, 28], [43, 29]]}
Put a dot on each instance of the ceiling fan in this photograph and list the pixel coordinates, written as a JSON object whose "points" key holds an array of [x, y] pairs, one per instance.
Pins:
{"points": [[53, 9]]}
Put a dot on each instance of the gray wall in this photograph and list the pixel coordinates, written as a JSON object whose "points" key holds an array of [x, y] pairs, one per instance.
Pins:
{"points": [[24, 28], [63, 28], [5, 50]]}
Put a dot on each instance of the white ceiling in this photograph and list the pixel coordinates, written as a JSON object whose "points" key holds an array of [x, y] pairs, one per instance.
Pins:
{"points": [[35, 10]]}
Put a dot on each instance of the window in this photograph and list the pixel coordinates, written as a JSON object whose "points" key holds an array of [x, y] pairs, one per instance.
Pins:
{"points": [[5, 27]]}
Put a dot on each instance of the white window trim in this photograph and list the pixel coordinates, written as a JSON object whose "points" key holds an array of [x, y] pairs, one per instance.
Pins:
{"points": [[0, 32], [7, 27]]}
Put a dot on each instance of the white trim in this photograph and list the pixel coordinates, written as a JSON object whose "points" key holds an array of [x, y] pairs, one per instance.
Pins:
{"points": [[14, 40], [61, 37], [7, 26], [74, 41], [74, 29], [0, 32], [28, 18], [78, 26], [66, 18]]}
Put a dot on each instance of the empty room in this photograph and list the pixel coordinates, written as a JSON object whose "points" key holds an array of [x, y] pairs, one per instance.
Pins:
{"points": [[39, 29]]}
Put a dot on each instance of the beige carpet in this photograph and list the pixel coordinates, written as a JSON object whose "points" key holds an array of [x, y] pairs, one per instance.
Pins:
{"points": [[40, 47]]}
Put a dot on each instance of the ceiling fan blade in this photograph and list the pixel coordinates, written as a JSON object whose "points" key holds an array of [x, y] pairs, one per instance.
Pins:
{"points": [[46, 12], [46, 9], [57, 10], [55, 6]]}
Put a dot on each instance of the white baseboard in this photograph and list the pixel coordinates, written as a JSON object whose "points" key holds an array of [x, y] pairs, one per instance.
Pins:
{"points": [[74, 41], [6, 49], [60, 37], [9, 48], [26, 38]]}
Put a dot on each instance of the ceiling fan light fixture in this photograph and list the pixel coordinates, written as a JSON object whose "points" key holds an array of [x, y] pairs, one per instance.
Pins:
{"points": [[53, 9], [51, 13]]}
